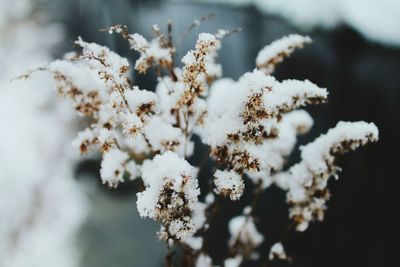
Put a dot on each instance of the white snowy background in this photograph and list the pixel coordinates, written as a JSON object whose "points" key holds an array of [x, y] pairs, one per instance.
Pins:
{"points": [[41, 206], [376, 20]]}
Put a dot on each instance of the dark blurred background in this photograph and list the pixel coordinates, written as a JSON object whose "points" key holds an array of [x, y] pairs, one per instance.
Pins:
{"points": [[361, 224]]}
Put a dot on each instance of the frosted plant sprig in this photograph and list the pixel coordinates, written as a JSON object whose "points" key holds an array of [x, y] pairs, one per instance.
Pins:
{"points": [[245, 237], [229, 183], [250, 126], [277, 251], [158, 52], [274, 53], [307, 181], [170, 195], [195, 23]]}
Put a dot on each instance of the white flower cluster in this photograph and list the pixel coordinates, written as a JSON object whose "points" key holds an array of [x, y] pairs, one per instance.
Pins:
{"points": [[251, 126]]}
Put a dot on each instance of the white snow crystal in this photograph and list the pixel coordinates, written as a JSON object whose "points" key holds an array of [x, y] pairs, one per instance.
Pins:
{"points": [[203, 261], [193, 242], [291, 94], [166, 170], [206, 38], [85, 140], [277, 251], [243, 229], [131, 124], [275, 52], [233, 262], [229, 183], [182, 228], [113, 166], [137, 99], [163, 136], [311, 174], [316, 154], [138, 42], [133, 169]]}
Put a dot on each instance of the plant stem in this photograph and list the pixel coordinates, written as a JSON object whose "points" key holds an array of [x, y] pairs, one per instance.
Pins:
{"points": [[169, 257]]}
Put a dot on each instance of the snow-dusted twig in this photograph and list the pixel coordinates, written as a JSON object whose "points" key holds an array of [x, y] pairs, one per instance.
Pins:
{"points": [[272, 54]]}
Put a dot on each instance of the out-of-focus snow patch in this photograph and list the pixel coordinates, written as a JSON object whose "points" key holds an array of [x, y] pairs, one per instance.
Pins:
{"points": [[375, 20], [13, 11], [41, 206]]}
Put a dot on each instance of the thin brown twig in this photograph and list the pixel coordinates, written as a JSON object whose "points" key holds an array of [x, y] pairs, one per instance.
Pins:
{"points": [[194, 24], [160, 35], [169, 257], [256, 196], [220, 34], [186, 131], [120, 29], [28, 74], [172, 48]]}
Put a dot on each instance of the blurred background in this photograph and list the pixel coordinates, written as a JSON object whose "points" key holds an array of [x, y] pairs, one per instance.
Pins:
{"points": [[355, 54]]}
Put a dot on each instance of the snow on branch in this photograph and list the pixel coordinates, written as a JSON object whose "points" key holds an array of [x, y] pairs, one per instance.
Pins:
{"points": [[307, 181], [274, 53], [229, 183], [170, 195], [244, 235]]}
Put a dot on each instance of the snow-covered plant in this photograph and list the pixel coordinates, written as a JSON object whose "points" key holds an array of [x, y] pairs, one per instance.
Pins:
{"points": [[250, 126]]}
